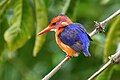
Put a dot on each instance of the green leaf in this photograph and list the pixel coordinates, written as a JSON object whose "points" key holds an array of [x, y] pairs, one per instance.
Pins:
{"points": [[22, 28], [3, 26], [3, 6], [65, 7], [113, 38], [57, 7], [41, 23]]}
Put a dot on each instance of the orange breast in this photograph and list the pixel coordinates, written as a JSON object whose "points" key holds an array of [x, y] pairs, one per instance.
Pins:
{"points": [[69, 51]]}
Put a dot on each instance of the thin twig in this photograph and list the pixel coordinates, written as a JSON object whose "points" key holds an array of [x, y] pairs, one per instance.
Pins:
{"points": [[113, 59], [104, 22], [48, 76], [100, 26]]}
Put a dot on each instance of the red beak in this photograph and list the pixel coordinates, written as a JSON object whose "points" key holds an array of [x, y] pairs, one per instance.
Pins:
{"points": [[45, 30]]}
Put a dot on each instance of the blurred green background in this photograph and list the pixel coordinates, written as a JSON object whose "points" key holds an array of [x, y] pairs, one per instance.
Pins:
{"points": [[21, 20]]}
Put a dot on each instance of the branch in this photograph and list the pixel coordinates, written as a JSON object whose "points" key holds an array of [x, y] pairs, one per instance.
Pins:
{"points": [[99, 27], [49, 75], [113, 59]]}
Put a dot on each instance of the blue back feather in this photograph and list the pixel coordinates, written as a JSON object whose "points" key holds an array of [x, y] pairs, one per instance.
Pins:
{"points": [[75, 36]]}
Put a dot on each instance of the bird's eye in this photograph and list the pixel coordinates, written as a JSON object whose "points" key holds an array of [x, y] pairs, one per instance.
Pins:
{"points": [[54, 23]]}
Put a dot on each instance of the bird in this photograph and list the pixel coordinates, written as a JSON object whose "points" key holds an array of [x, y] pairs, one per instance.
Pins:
{"points": [[71, 37]]}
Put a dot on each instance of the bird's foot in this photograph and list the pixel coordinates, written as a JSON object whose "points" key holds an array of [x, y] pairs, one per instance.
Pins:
{"points": [[68, 56]]}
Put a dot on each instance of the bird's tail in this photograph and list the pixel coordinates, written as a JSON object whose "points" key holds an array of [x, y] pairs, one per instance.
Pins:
{"points": [[86, 52]]}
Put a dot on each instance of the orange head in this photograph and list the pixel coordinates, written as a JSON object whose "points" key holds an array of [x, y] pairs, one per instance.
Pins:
{"points": [[57, 23]]}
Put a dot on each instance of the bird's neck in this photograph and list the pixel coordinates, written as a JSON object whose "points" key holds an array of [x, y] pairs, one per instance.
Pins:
{"points": [[59, 30]]}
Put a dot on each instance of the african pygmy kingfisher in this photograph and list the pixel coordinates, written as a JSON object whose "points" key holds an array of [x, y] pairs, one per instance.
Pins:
{"points": [[71, 37]]}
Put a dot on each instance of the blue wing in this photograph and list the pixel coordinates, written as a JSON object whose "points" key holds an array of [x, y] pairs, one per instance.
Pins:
{"points": [[75, 36]]}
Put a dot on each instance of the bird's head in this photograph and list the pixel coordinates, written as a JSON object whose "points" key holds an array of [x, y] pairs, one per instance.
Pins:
{"points": [[57, 22]]}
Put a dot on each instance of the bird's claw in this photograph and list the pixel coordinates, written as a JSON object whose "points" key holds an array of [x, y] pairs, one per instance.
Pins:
{"points": [[99, 27], [68, 56]]}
